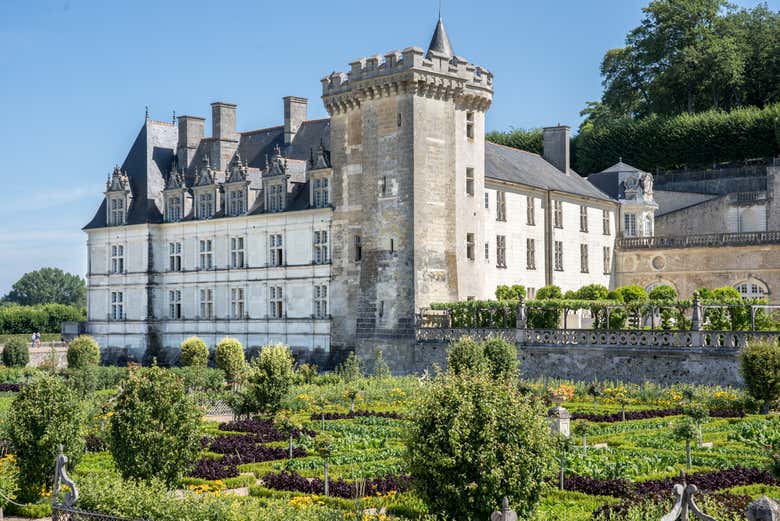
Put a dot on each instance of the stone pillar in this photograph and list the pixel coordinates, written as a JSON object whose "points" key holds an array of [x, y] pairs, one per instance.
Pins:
{"points": [[560, 421], [763, 509], [504, 514], [697, 316], [521, 320]]}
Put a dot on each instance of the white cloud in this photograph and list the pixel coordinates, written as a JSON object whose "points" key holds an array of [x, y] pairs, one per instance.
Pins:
{"points": [[40, 200]]}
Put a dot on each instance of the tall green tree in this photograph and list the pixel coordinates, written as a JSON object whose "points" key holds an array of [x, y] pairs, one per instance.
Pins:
{"points": [[48, 286]]}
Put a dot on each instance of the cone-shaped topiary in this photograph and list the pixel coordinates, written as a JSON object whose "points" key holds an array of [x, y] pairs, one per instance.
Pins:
{"points": [[194, 353]]}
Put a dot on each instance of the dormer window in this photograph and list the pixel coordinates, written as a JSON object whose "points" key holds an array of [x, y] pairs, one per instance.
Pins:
{"points": [[174, 209], [236, 202], [117, 211], [276, 198], [321, 193], [205, 206]]}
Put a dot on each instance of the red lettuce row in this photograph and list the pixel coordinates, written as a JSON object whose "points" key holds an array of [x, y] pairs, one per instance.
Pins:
{"points": [[264, 430], [645, 415], [357, 414], [293, 481]]}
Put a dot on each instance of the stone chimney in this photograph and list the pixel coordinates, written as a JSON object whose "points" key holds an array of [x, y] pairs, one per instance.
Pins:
{"points": [[294, 115], [557, 147], [190, 133], [223, 121]]}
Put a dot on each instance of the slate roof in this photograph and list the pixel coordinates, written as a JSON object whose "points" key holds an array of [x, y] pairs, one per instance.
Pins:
{"points": [[608, 180], [518, 166], [440, 42]]}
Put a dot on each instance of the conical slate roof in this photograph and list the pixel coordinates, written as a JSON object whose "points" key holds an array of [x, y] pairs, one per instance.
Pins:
{"points": [[440, 42]]}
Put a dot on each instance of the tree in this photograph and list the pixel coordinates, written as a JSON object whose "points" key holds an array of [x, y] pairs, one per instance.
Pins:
{"points": [[44, 415], [49, 286], [194, 353], [350, 369], [466, 355], [16, 353], [760, 365], [686, 431], [155, 428], [663, 292], [270, 378], [230, 357], [83, 351], [380, 367], [471, 441], [501, 358]]}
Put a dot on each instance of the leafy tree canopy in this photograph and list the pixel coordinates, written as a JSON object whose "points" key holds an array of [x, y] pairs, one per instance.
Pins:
{"points": [[48, 286]]}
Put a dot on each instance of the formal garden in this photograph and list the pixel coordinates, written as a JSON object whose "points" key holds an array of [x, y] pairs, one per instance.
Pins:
{"points": [[266, 439]]}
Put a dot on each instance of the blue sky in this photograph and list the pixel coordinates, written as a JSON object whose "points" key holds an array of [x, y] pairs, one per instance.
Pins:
{"points": [[76, 75]]}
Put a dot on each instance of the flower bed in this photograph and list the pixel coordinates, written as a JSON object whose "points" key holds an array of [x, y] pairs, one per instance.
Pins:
{"points": [[357, 414], [264, 430], [10, 388], [644, 415], [293, 481]]}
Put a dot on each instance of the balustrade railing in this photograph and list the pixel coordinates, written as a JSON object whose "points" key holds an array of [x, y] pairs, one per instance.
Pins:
{"points": [[694, 241]]}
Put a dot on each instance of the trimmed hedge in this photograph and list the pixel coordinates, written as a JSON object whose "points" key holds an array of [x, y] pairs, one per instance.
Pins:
{"points": [[47, 318], [686, 140], [194, 353]]}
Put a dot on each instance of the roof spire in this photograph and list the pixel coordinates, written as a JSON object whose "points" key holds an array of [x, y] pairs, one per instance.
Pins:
{"points": [[440, 42]]}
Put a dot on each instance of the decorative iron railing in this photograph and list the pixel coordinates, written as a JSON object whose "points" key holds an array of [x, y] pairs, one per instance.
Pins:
{"points": [[699, 241]]}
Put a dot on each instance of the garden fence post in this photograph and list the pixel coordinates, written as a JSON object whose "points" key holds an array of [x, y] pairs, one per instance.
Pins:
{"points": [[504, 514], [696, 317]]}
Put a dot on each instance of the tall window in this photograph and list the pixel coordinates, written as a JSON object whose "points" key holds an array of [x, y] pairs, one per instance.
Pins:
{"points": [[117, 305], [320, 300], [500, 206], [358, 249], [205, 206], [321, 196], [206, 303], [558, 256], [605, 222], [174, 256], [530, 254], [607, 261], [117, 258], [470, 125], [487, 200], [320, 247], [469, 181], [237, 303], [629, 225], [530, 211], [487, 251], [276, 249], [648, 226], [237, 259], [117, 211], [174, 209], [276, 301], [236, 205], [174, 304], [470, 246], [583, 218], [501, 251], [558, 214], [276, 198], [206, 254], [584, 258]]}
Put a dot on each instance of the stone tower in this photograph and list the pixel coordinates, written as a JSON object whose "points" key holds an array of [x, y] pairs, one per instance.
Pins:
{"points": [[406, 130]]}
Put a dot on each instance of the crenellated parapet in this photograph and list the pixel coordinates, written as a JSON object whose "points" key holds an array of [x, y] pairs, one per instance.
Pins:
{"points": [[410, 71]]}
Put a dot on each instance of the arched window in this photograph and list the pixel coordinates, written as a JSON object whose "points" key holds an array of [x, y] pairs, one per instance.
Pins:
{"points": [[752, 288]]}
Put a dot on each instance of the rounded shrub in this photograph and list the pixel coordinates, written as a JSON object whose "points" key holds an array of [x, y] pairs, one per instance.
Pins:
{"points": [[194, 353], [663, 292], [471, 441], [83, 351], [760, 365], [44, 415], [155, 428], [270, 379], [501, 357], [549, 292], [465, 355], [230, 357], [16, 353]]}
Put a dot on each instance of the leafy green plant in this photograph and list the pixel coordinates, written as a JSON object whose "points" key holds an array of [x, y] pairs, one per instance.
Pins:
{"points": [[686, 431], [380, 367], [155, 427], [270, 379], [83, 351], [16, 353], [230, 357], [44, 415], [194, 353], [350, 369], [472, 441], [760, 366], [466, 355], [501, 358]]}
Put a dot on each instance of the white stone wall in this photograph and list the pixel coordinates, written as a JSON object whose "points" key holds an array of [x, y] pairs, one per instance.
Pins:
{"points": [[147, 281]]}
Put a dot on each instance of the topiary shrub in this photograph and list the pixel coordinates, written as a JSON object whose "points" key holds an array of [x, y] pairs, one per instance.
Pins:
{"points": [[83, 351], [380, 368], [760, 365], [501, 357], [270, 379], [16, 353], [549, 292], [471, 441], [194, 353], [663, 292], [350, 369], [44, 415], [155, 428], [465, 355], [230, 357]]}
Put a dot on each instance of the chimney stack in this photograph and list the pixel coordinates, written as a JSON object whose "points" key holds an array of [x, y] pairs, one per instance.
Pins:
{"points": [[190, 133], [223, 121], [557, 147], [294, 115]]}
